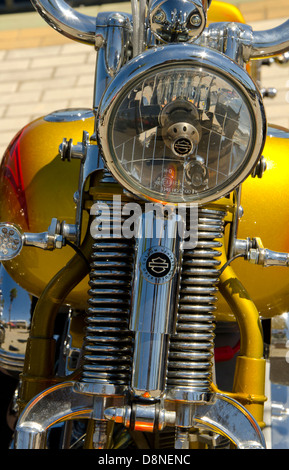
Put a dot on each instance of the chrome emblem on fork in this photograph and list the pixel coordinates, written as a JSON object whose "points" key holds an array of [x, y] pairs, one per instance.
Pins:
{"points": [[158, 264]]}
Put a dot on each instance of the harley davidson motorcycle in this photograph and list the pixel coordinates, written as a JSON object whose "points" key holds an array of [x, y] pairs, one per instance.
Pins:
{"points": [[134, 238]]}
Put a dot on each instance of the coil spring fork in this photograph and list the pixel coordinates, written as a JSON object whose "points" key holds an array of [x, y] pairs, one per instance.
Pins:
{"points": [[191, 348], [108, 342]]}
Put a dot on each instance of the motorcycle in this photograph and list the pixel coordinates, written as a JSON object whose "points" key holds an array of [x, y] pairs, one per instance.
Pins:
{"points": [[146, 301]]}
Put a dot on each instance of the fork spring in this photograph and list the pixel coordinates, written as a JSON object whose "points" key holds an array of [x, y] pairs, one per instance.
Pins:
{"points": [[108, 341], [192, 347]]}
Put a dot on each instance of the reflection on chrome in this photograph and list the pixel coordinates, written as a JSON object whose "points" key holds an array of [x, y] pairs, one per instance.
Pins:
{"points": [[196, 114], [15, 319], [181, 126]]}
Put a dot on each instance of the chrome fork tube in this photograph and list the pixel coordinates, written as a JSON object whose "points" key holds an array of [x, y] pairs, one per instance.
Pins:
{"points": [[156, 279]]}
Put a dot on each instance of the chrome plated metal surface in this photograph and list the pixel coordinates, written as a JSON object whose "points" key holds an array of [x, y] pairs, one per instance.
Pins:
{"points": [[279, 352], [254, 252], [177, 20], [241, 43], [90, 161], [15, 321], [173, 349], [279, 132], [69, 115], [153, 307], [110, 33], [77, 26], [270, 42], [222, 414], [67, 21], [279, 382], [142, 416], [232, 39], [139, 20], [11, 241], [232, 420], [90, 30], [44, 411], [165, 60], [114, 44]]}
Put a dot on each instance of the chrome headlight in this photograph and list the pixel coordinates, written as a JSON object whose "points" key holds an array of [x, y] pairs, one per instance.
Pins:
{"points": [[181, 123]]}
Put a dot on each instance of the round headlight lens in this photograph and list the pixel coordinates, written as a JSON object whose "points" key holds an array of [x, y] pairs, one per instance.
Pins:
{"points": [[182, 133]]}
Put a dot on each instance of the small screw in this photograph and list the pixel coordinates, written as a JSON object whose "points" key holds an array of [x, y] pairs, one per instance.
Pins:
{"points": [[159, 17], [195, 20], [65, 149], [260, 168]]}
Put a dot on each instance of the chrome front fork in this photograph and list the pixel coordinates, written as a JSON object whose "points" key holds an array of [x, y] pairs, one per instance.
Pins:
{"points": [[150, 369]]}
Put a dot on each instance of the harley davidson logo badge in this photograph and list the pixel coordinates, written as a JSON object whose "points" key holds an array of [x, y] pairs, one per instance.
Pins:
{"points": [[158, 265]]}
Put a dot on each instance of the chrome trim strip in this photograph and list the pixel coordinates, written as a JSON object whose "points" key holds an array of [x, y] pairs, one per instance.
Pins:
{"points": [[69, 115], [278, 132]]}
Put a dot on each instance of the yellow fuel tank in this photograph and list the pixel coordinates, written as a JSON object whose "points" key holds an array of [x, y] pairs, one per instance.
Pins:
{"points": [[35, 186]]}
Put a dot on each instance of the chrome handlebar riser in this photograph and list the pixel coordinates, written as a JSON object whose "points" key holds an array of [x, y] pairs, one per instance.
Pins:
{"points": [[241, 43], [232, 39], [74, 25]]}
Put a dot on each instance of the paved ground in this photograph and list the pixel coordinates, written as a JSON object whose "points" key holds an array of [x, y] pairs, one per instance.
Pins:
{"points": [[41, 71]]}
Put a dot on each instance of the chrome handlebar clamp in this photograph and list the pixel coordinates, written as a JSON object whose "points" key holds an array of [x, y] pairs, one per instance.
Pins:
{"points": [[241, 43]]}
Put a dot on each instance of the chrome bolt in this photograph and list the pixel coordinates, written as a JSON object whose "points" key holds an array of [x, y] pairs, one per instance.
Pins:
{"points": [[159, 17], [196, 20]]}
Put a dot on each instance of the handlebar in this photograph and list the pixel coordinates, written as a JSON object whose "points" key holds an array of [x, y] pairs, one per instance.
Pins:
{"points": [[270, 42], [66, 20], [84, 28]]}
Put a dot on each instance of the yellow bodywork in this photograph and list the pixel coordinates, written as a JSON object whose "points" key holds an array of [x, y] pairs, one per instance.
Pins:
{"points": [[266, 210], [222, 11], [35, 186]]}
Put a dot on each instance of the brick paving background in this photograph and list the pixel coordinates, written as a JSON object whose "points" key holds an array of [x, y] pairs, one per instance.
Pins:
{"points": [[35, 81], [41, 71]]}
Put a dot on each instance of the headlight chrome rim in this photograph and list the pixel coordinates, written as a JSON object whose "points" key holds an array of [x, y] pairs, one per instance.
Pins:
{"points": [[167, 57]]}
